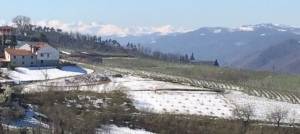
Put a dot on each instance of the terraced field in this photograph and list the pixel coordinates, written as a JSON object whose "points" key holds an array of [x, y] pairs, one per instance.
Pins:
{"points": [[292, 96]]}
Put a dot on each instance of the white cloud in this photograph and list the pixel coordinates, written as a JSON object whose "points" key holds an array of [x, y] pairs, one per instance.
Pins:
{"points": [[164, 29], [113, 30], [42, 23], [2, 22], [102, 29]]}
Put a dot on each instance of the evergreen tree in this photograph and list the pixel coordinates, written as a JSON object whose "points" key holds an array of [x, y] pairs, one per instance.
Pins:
{"points": [[216, 63], [43, 38], [3, 39], [181, 59], [13, 40], [192, 57], [186, 58], [34, 39]]}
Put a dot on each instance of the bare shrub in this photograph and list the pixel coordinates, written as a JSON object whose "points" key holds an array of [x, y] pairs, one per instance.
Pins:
{"points": [[12, 113], [277, 115], [118, 75], [244, 113]]}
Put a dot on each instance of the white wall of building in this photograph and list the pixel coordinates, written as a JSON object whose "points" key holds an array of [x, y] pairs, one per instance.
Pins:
{"points": [[47, 53], [25, 47]]}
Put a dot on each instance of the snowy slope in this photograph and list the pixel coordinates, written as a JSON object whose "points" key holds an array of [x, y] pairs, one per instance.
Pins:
{"points": [[147, 95], [113, 129], [42, 73]]}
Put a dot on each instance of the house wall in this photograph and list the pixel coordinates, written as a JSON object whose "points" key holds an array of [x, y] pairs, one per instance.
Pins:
{"points": [[25, 47], [6, 31], [50, 56], [53, 53], [6, 56], [23, 61], [47, 62]]}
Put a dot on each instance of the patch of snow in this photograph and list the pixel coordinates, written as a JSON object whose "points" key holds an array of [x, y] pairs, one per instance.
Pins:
{"points": [[65, 52], [281, 30], [262, 106], [30, 119], [85, 52], [217, 31], [113, 129], [182, 102], [153, 41], [262, 34], [246, 28], [242, 28], [202, 34], [42, 73]]}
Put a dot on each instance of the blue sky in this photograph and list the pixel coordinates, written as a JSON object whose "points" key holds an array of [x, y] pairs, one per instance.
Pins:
{"points": [[165, 15]]}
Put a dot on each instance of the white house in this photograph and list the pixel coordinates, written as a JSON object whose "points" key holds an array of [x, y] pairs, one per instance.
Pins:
{"points": [[46, 55], [32, 54]]}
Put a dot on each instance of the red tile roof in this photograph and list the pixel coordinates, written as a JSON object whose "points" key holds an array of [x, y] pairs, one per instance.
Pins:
{"points": [[20, 52], [41, 46]]}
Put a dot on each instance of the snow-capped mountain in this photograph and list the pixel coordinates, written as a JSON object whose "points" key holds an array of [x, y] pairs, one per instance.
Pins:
{"points": [[228, 45]]}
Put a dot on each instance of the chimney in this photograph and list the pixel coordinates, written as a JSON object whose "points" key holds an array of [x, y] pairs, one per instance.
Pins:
{"points": [[33, 48]]}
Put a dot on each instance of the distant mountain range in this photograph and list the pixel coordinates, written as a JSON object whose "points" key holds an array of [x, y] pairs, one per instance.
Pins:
{"points": [[228, 45], [283, 57]]}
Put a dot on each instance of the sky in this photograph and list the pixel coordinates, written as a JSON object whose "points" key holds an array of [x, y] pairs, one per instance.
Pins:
{"points": [[134, 17]]}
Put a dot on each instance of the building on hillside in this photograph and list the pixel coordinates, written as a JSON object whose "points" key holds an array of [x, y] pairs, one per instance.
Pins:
{"points": [[7, 30], [20, 58], [32, 55]]}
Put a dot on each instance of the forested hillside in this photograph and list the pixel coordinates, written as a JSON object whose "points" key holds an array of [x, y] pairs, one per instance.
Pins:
{"points": [[86, 42]]}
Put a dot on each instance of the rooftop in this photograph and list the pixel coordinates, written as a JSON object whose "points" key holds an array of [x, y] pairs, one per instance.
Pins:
{"points": [[41, 46], [6, 27], [21, 52]]}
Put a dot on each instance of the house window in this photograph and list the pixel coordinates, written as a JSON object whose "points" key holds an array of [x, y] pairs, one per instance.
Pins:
{"points": [[31, 63], [31, 57], [23, 62], [42, 54], [42, 61], [48, 55], [22, 57], [14, 57]]}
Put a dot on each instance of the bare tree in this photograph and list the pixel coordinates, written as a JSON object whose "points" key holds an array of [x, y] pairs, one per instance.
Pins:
{"points": [[244, 113], [277, 115], [46, 75], [22, 22]]}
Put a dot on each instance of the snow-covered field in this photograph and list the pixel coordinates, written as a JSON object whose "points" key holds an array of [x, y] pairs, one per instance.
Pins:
{"points": [[183, 102], [130, 83], [147, 95], [263, 106], [156, 96], [42, 73]]}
